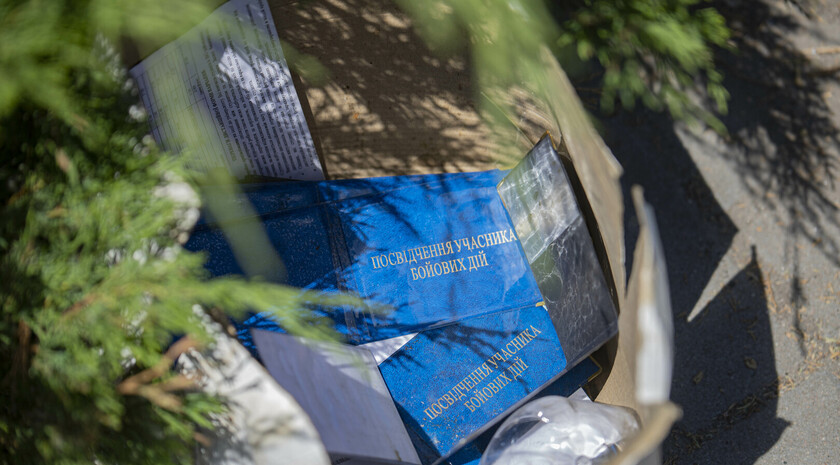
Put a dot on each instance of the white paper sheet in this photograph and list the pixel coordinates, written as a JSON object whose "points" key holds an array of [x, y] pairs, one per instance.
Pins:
{"points": [[224, 91], [383, 349]]}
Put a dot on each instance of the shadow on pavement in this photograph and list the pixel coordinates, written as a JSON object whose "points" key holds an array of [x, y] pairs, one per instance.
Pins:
{"points": [[725, 372], [784, 138], [782, 146], [713, 379], [725, 359]]}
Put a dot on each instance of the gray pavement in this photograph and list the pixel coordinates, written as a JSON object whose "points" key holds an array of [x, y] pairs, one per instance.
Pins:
{"points": [[751, 228]]}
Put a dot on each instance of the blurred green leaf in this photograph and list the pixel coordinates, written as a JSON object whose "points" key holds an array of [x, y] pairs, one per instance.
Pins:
{"points": [[94, 282]]}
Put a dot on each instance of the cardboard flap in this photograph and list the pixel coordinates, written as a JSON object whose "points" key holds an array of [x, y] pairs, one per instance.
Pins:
{"points": [[654, 324], [645, 343]]}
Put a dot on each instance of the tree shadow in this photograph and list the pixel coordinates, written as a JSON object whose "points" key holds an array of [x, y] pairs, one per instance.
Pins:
{"points": [[786, 154], [782, 146], [695, 231], [719, 392], [385, 84]]}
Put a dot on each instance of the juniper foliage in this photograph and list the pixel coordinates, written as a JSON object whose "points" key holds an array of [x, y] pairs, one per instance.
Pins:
{"points": [[660, 52], [93, 280]]}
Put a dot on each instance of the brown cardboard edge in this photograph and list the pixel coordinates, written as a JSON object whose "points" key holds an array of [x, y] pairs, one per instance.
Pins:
{"points": [[587, 151], [298, 84], [622, 379], [598, 169]]}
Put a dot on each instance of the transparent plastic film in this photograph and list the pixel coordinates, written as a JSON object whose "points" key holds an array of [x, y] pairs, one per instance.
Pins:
{"points": [[538, 196], [559, 431]]}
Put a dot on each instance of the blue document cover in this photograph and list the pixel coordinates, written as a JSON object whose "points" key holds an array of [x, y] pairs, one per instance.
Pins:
{"points": [[567, 384], [450, 382], [432, 252]]}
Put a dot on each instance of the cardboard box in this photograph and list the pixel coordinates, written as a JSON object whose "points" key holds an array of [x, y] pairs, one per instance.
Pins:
{"points": [[491, 331], [392, 107]]}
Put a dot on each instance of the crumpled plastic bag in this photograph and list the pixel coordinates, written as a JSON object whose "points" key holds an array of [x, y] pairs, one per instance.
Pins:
{"points": [[558, 431]]}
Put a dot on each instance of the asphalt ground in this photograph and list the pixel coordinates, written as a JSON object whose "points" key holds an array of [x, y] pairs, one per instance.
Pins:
{"points": [[750, 223]]}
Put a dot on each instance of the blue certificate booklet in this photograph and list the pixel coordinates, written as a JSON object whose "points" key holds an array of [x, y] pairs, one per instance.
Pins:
{"points": [[451, 382], [423, 250]]}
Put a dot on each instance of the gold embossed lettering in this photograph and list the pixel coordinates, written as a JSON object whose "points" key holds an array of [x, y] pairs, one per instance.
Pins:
{"points": [[469, 405], [469, 387]]}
